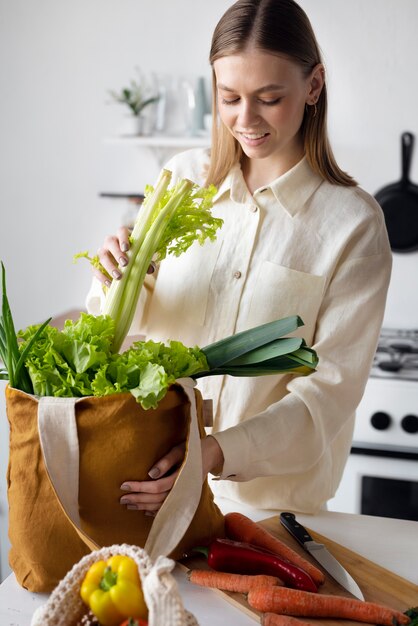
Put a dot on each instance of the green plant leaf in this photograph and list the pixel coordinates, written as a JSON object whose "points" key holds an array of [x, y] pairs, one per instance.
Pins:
{"points": [[232, 347], [271, 350], [24, 354]]}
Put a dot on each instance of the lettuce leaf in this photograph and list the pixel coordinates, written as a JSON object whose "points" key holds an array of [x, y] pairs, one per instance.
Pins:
{"points": [[78, 361], [64, 363], [147, 369]]}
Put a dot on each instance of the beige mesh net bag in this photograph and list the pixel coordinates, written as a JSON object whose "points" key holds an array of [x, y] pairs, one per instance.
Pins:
{"points": [[65, 607]]}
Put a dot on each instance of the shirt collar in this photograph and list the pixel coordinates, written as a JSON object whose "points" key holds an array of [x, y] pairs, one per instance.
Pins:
{"points": [[292, 190], [234, 184]]}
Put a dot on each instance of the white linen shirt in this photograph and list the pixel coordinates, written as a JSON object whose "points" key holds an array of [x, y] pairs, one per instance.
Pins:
{"points": [[299, 245]]}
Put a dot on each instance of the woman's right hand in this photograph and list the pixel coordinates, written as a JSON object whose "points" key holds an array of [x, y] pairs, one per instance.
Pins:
{"points": [[112, 255]]}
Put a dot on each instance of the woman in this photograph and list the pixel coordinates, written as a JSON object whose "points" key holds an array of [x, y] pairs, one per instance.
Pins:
{"points": [[299, 237]]}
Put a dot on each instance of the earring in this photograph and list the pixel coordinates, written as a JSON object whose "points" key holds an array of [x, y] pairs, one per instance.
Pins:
{"points": [[315, 109]]}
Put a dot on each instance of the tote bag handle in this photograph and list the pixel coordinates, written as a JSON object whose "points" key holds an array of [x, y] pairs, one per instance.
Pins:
{"points": [[59, 444]]}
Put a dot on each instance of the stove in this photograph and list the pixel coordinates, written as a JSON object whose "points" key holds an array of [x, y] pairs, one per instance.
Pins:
{"points": [[381, 474], [396, 355], [387, 416]]}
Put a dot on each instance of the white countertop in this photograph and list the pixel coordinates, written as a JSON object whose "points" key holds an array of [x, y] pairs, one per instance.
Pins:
{"points": [[392, 544]]}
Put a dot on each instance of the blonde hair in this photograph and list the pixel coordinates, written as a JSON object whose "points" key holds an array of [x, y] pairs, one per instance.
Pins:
{"points": [[280, 27]]}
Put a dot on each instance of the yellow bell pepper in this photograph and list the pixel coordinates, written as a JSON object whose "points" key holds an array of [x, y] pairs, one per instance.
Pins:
{"points": [[112, 589]]}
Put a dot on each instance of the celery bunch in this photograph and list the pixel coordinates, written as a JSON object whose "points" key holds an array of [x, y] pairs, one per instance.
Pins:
{"points": [[169, 222]]}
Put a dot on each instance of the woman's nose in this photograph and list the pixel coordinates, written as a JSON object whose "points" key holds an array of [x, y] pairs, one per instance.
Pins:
{"points": [[247, 115]]}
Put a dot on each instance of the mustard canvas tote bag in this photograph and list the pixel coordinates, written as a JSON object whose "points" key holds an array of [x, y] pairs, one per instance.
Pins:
{"points": [[68, 458]]}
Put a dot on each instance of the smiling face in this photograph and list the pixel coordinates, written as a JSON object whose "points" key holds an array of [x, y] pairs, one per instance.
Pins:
{"points": [[261, 100]]}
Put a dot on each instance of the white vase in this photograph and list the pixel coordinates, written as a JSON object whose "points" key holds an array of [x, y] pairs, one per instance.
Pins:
{"points": [[132, 125]]}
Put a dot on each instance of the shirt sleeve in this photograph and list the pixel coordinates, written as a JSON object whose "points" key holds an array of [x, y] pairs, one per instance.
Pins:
{"points": [[292, 435], [95, 297]]}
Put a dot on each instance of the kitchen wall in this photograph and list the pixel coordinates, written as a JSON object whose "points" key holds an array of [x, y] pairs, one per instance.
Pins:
{"points": [[57, 61]]}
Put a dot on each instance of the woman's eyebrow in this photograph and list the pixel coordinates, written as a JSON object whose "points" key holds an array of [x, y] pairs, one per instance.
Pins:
{"points": [[271, 87]]}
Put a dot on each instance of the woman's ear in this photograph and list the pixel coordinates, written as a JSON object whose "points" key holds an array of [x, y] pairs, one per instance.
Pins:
{"points": [[316, 83]]}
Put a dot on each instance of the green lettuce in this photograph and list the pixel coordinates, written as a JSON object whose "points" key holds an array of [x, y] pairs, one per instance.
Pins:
{"points": [[78, 361], [147, 369]]}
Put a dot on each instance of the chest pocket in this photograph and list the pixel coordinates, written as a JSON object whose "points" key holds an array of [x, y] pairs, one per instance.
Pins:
{"points": [[280, 291], [182, 290]]}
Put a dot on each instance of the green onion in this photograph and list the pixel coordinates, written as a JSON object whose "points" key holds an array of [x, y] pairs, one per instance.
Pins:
{"points": [[13, 359]]}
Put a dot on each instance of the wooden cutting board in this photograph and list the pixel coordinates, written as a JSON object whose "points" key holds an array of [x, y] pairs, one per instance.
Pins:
{"points": [[377, 584]]}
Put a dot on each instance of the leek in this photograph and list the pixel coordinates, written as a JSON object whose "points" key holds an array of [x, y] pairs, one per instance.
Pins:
{"points": [[261, 351], [231, 348]]}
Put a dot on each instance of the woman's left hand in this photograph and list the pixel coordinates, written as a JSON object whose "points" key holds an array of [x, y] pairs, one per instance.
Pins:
{"points": [[149, 495]]}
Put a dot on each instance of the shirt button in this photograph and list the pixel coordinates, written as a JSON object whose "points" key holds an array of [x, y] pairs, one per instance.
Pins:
{"points": [[254, 208], [237, 274]]}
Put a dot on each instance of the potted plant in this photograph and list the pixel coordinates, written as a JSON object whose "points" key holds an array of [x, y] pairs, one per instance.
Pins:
{"points": [[136, 97]]}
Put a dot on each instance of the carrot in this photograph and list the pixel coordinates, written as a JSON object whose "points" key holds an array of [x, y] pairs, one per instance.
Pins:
{"points": [[273, 619], [306, 604], [241, 583], [242, 528]]}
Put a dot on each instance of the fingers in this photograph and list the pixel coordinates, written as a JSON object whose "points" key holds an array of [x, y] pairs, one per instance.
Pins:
{"points": [[112, 255], [152, 268], [168, 462], [148, 495], [123, 236]]}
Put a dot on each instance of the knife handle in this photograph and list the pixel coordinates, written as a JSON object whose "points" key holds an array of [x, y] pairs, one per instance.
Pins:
{"points": [[295, 529]]}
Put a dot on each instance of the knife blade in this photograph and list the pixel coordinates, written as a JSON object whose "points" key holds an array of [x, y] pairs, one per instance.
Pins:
{"points": [[321, 554]]}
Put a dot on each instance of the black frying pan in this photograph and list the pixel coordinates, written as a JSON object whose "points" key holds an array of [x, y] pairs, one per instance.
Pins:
{"points": [[399, 202]]}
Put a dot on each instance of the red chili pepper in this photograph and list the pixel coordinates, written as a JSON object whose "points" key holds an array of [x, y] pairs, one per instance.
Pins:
{"points": [[226, 555]]}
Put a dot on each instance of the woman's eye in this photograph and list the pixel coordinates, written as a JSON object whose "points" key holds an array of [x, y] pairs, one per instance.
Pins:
{"points": [[271, 102], [230, 100]]}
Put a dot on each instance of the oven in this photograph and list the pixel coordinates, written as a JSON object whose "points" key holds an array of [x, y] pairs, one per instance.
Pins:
{"points": [[381, 475]]}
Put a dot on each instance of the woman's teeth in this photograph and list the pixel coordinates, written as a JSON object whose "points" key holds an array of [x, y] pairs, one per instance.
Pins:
{"points": [[253, 135]]}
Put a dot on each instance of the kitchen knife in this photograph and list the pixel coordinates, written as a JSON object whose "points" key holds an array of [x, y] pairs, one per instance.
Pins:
{"points": [[321, 554]]}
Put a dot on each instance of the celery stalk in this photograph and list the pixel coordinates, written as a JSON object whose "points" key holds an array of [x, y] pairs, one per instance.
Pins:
{"points": [[169, 221], [115, 298], [128, 288], [150, 205]]}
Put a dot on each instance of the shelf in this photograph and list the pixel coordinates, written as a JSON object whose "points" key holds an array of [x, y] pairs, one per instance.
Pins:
{"points": [[134, 197], [160, 141]]}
